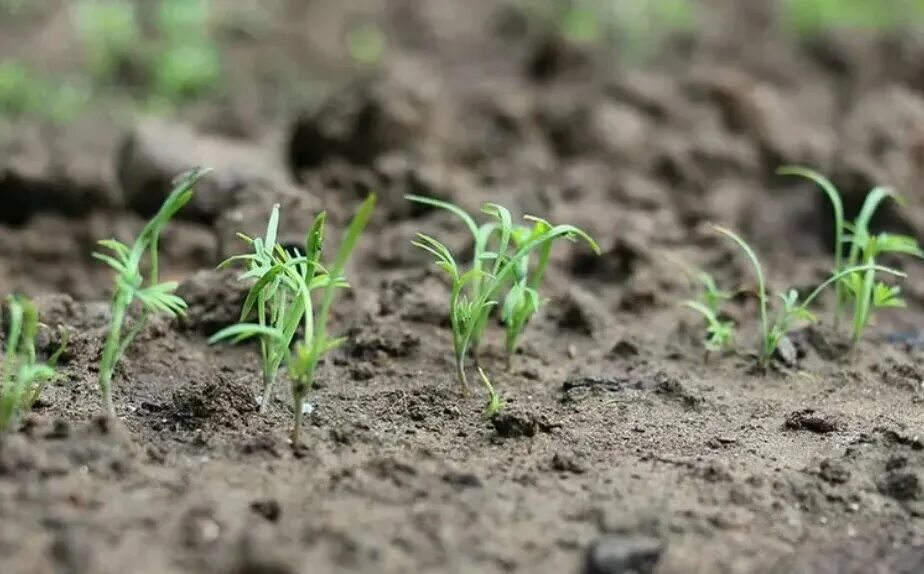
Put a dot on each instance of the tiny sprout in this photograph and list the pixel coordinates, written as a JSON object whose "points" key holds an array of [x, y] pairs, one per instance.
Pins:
{"points": [[281, 297], [868, 293], [720, 335], [22, 377], [500, 260], [131, 285], [773, 332], [495, 404]]}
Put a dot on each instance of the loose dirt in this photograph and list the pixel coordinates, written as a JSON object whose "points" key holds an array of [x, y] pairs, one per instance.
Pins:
{"points": [[621, 447]]}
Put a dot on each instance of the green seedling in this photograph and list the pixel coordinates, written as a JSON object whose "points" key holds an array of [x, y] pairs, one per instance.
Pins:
{"points": [[634, 30], [497, 263], [22, 377], [792, 310], [281, 297], [366, 43], [868, 293], [110, 31], [495, 404], [720, 334], [837, 206], [269, 301], [812, 17], [131, 285]]}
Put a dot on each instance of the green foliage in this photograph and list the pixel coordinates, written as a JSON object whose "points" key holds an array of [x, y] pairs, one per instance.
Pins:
{"points": [[281, 298], [110, 31], [837, 207], [811, 17], [366, 43], [500, 261], [720, 334], [189, 63], [495, 404], [22, 376], [178, 57], [774, 330], [867, 293], [635, 30], [185, 70], [23, 92], [131, 285]]}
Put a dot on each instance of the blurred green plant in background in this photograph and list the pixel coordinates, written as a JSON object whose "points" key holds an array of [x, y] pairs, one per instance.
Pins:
{"points": [[635, 29], [161, 53], [811, 17], [177, 60]]}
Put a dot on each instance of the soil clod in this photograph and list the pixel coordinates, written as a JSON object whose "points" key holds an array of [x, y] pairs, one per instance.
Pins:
{"points": [[630, 554], [813, 421]]}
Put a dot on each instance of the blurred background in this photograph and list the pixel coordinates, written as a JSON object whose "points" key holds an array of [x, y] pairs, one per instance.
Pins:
{"points": [[668, 113]]}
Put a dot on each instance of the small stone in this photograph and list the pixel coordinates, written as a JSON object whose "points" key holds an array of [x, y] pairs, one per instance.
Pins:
{"points": [[463, 479], [901, 485], [630, 554], [268, 508], [833, 472], [812, 421]]}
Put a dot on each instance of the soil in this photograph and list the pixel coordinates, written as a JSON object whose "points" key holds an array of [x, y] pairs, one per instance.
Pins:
{"points": [[621, 447]]}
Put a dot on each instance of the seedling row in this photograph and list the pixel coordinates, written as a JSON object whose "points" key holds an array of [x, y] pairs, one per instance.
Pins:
{"points": [[292, 292]]}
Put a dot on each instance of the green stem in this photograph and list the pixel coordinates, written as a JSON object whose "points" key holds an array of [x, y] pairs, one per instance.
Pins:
{"points": [[300, 390], [460, 374], [861, 314], [111, 352]]}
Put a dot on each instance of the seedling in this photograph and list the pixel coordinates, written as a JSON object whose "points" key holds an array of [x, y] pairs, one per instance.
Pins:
{"points": [[868, 293], [131, 285], [811, 17], [792, 311], [269, 301], [837, 206], [495, 404], [497, 262], [22, 377], [281, 298], [720, 334]]}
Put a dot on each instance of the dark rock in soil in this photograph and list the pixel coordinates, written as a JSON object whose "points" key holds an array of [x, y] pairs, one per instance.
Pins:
{"points": [[633, 554], [833, 472], [463, 479], [515, 425], [812, 421], [901, 485]]}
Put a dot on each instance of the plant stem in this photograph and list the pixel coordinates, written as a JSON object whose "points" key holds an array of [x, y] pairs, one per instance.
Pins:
{"points": [[111, 351], [297, 426], [861, 315], [460, 374], [269, 381]]}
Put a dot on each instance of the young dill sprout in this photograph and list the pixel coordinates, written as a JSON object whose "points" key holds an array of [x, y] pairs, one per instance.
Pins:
{"points": [[131, 284], [837, 207], [497, 263], [495, 404], [869, 294], [269, 300], [720, 334], [22, 377], [792, 310], [282, 299]]}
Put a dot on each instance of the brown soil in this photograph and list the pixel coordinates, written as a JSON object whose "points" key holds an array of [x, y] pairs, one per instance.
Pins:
{"points": [[620, 448]]}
